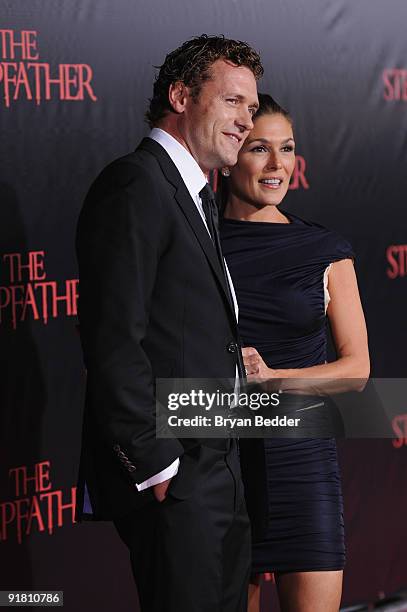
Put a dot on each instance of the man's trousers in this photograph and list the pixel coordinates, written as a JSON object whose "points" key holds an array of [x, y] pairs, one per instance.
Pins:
{"points": [[193, 554]]}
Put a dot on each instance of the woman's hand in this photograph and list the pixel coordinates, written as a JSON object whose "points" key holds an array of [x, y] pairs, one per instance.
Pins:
{"points": [[258, 372], [254, 364], [273, 380]]}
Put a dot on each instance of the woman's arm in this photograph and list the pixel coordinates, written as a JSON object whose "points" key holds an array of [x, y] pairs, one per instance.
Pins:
{"points": [[349, 333]]}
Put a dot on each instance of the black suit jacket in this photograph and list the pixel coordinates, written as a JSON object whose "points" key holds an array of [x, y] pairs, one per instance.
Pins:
{"points": [[153, 303]]}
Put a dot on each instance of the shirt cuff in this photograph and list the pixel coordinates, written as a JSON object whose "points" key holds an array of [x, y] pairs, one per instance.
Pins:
{"points": [[169, 472]]}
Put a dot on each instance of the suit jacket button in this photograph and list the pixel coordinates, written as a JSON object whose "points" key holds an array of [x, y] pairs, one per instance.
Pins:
{"points": [[231, 347], [116, 447]]}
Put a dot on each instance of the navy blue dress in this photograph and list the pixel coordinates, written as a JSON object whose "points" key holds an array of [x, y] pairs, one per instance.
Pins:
{"points": [[278, 274]]}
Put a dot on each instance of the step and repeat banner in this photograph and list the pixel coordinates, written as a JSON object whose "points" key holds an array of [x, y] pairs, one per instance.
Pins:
{"points": [[75, 78]]}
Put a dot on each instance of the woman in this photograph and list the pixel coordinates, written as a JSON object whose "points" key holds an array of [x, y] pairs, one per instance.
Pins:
{"points": [[290, 276]]}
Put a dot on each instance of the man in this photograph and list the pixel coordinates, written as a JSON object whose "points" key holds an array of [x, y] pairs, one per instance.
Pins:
{"points": [[156, 302]]}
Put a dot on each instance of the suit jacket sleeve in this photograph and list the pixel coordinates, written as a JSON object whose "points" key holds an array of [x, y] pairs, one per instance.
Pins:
{"points": [[121, 234]]}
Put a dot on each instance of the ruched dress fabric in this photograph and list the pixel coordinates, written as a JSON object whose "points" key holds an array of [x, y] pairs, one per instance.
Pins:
{"points": [[278, 274]]}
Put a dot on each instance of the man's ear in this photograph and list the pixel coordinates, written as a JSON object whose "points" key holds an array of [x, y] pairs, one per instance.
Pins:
{"points": [[178, 95]]}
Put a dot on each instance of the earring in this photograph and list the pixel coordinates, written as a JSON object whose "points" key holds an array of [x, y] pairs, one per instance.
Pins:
{"points": [[225, 172]]}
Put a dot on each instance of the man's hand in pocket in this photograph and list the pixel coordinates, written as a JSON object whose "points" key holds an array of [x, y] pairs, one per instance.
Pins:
{"points": [[160, 490]]}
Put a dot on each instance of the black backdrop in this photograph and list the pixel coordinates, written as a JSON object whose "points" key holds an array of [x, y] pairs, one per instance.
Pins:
{"points": [[74, 81]]}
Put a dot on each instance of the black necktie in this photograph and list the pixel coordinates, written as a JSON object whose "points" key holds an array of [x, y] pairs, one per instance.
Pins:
{"points": [[212, 220], [210, 209]]}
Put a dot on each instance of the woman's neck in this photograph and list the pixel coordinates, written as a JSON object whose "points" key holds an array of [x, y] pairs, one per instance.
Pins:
{"points": [[243, 211]]}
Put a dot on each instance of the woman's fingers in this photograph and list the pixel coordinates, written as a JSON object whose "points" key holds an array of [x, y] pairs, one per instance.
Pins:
{"points": [[250, 356], [248, 351], [252, 360]]}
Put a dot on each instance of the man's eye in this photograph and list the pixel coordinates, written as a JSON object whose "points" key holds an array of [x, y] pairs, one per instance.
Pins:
{"points": [[233, 100]]}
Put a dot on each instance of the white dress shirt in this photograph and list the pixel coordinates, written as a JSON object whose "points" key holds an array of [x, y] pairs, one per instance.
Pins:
{"points": [[194, 180]]}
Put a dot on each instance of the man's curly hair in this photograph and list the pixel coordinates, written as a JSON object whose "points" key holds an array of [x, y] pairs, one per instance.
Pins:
{"points": [[191, 62]]}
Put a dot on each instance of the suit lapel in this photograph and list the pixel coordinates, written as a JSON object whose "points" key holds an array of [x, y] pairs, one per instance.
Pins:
{"points": [[188, 206]]}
